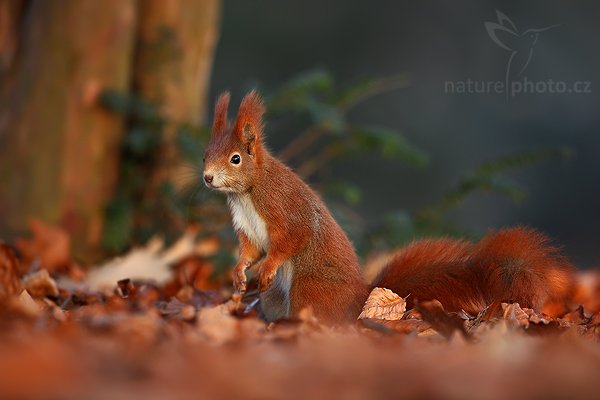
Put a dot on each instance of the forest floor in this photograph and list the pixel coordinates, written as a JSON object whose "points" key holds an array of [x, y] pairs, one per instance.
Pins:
{"points": [[152, 325]]}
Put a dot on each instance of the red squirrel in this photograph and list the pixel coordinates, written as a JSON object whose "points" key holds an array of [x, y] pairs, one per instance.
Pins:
{"points": [[304, 259]]}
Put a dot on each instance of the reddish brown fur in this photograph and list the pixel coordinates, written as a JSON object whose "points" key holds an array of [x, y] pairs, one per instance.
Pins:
{"points": [[521, 265], [220, 123], [250, 114], [515, 265]]}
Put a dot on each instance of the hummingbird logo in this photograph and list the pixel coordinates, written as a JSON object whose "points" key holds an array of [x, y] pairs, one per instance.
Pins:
{"points": [[520, 44]]}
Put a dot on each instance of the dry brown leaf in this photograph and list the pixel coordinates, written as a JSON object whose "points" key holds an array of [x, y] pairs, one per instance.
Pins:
{"points": [[9, 267], [251, 328], [140, 331], [176, 309], [51, 245], [383, 304], [576, 316], [540, 319], [430, 333], [443, 322], [194, 271], [150, 263], [39, 284], [217, 324], [403, 326], [207, 247], [515, 315], [27, 305], [139, 264]]}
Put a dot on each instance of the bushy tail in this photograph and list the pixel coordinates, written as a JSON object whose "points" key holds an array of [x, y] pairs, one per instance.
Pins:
{"points": [[521, 265], [513, 265]]}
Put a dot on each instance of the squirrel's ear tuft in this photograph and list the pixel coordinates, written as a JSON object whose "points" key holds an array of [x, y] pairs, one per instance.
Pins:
{"points": [[249, 123], [220, 122]]}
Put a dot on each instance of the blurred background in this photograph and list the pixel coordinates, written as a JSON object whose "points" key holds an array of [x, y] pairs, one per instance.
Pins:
{"points": [[104, 108]]}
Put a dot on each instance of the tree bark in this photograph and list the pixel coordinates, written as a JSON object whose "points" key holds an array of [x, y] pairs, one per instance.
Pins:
{"points": [[58, 149], [172, 69]]}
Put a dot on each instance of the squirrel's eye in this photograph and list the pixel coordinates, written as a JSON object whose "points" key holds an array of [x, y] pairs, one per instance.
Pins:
{"points": [[235, 159]]}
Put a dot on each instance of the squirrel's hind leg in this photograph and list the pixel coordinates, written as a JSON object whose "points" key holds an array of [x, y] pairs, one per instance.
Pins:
{"points": [[275, 301], [332, 301]]}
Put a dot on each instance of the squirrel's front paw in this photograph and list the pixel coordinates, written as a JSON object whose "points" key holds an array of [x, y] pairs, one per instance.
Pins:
{"points": [[265, 278], [239, 278]]}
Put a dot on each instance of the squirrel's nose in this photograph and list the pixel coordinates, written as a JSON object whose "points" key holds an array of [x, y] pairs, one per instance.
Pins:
{"points": [[208, 178]]}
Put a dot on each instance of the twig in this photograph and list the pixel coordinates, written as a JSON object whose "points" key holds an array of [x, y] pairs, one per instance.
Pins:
{"points": [[379, 86], [311, 165], [301, 143]]}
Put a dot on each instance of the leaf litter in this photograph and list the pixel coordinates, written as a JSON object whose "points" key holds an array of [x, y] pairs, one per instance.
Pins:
{"points": [[152, 324]]}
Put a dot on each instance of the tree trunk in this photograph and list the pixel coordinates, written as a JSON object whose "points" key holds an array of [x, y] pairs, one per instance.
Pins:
{"points": [[172, 69], [58, 149]]}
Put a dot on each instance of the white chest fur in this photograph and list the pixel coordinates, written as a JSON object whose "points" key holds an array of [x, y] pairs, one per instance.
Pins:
{"points": [[246, 219]]}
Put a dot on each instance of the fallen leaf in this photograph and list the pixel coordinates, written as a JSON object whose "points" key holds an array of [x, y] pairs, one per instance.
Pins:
{"points": [[217, 324], [403, 326], [431, 333], [125, 288], [540, 319], [193, 271], [577, 316], [383, 304], [178, 310], [207, 247], [139, 264], [39, 284], [140, 331], [514, 315], [433, 312], [148, 263], [9, 267], [26, 304], [51, 245]]}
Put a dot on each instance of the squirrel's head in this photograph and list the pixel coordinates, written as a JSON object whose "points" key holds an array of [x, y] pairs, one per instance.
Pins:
{"points": [[234, 152]]}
